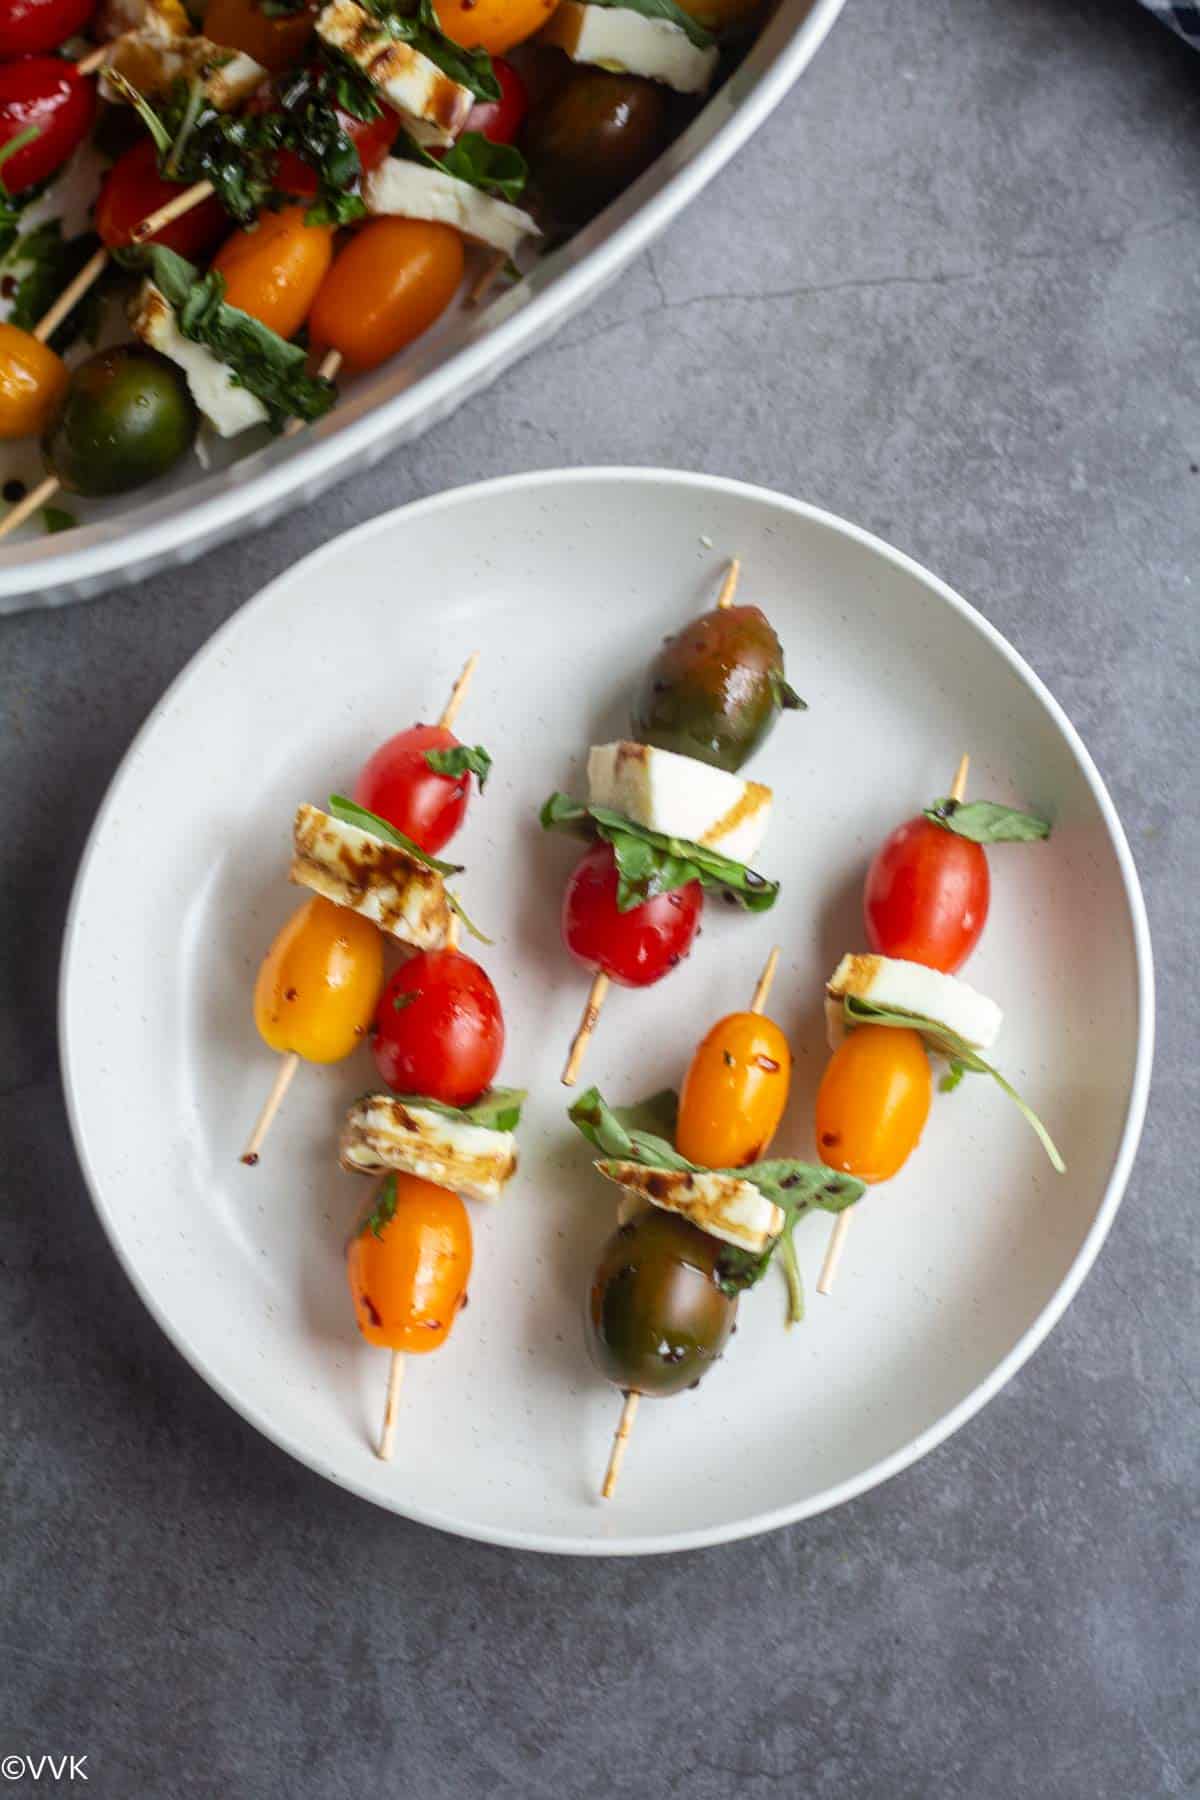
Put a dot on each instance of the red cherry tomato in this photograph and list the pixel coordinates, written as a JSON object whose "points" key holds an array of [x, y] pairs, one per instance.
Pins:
{"points": [[45, 92], [439, 1030], [133, 189], [633, 948], [399, 785], [501, 120], [926, 897], [27, 26], [372, 138]]}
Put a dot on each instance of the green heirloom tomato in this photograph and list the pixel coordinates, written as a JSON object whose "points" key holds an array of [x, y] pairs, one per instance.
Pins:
{"points": [[593, 135], [656, 1318], [128, 417], [715, 689]]}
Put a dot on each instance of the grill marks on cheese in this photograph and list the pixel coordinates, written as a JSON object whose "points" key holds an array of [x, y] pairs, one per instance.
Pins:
{"points": [[724, 1206], [680, 797], [379, 880], [910, 987], [383, 1133], [409, 82]]}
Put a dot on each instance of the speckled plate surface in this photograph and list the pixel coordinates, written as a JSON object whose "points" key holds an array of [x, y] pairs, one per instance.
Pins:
{"points": [[953, 1273]]}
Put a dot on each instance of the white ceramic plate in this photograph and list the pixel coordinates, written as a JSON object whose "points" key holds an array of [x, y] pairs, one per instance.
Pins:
{"points": [[566, 582], [130, 538]]}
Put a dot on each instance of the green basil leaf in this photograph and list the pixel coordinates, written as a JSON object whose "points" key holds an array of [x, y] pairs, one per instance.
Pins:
{"points": [[987, 822], [786, 697], [606, 1129], [350, 813], [953, 1076], [462, 759], [492, 168], [415, 22], [383, 1211], [262, 362], [651, 863], [863, 1012], [50, 262], [499, 1109], [665, 9], [57, 518]]}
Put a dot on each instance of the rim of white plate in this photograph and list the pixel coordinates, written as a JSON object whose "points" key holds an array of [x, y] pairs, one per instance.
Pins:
{"points": [[288, 466], [1131, 1130]]}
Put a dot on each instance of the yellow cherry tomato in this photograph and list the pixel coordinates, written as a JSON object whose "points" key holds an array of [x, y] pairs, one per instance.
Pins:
{"points": [[33, 383], [387, 286], [409, 1263], [734, 1092], [277, 43], [320, 982], [492, 25], [273, 270], [873, 1101]]}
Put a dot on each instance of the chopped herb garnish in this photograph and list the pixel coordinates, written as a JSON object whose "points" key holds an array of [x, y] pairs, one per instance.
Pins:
{"points": [[650, 862]]}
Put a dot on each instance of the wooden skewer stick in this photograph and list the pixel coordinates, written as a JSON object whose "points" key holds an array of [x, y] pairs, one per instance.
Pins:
{"points": [[73, 291], [458, 692], [616, 1455], [597, 994], [88, 65], [41, 495], [331, 362], [486, 279], [171, 209], [287, 1068], [837, 1237], [729, 585], [391, 1408]]}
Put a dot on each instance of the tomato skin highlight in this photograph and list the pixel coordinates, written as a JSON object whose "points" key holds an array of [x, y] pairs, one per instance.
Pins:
{"points": [[409, 1283], [398, 784], [492, 25], [633, 948], [46, 92], [873, 1101], [319, 983], [133, 189], [734, 1092], [27, 26], [926, 896], [439, 1030]]}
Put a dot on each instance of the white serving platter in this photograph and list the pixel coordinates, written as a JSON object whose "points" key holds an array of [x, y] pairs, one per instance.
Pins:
{"points": [[131, 538], [565, 582]]}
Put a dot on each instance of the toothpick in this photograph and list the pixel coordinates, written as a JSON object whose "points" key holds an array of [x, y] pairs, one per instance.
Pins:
{"points": [[331, 362], [170, 210], [759, 1002], [458, 692], [73, 291], [391, 1408], [841, 1228], [283, 1080], [729, 585], [486, 279], [87, 65], [41, 495], [617, 1454], [597, 994]]}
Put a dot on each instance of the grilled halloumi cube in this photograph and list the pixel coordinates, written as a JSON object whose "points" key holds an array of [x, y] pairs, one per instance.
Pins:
{"points": [[615, 38], [911, 988], [379, 880], [153, 62], [681, 797], [408, 190], [229, 407], [411, 84], [382, 1132], [722, 1205], [155, 18]]}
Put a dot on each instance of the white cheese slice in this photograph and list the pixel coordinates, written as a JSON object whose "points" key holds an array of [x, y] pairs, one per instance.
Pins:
{"points": [[227, 406], [910, 987], [680, 796], [403, 896], [722, 1205], [382, 1132], [615, 38], [154, 62], [408, 190], [412, 84]]}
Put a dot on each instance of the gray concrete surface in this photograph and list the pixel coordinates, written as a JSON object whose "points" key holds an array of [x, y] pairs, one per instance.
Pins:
{"points": [[951, 291]]}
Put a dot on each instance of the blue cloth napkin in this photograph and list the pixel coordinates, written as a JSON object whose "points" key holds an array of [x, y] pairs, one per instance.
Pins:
{"points": [[1183, 17]]}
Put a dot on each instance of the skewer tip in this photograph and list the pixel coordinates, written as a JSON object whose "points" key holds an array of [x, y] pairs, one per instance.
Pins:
{"points": [[620, 1443], [729, 585], [958, 786], [587, 1024], [764, 981]]}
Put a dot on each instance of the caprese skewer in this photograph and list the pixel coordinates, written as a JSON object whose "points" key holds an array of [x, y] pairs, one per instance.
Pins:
{"points": [[702, 1212], [667, 814], [925, 905], [372, 871]]}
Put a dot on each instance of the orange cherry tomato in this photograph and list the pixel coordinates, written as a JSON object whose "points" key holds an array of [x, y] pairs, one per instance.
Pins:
{"points": [[409, 1264], [319, 983], [873, 1101], [492, 25], [273, 270], [387, 286], [734, 1092], [241, 25], [33, 383]]}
